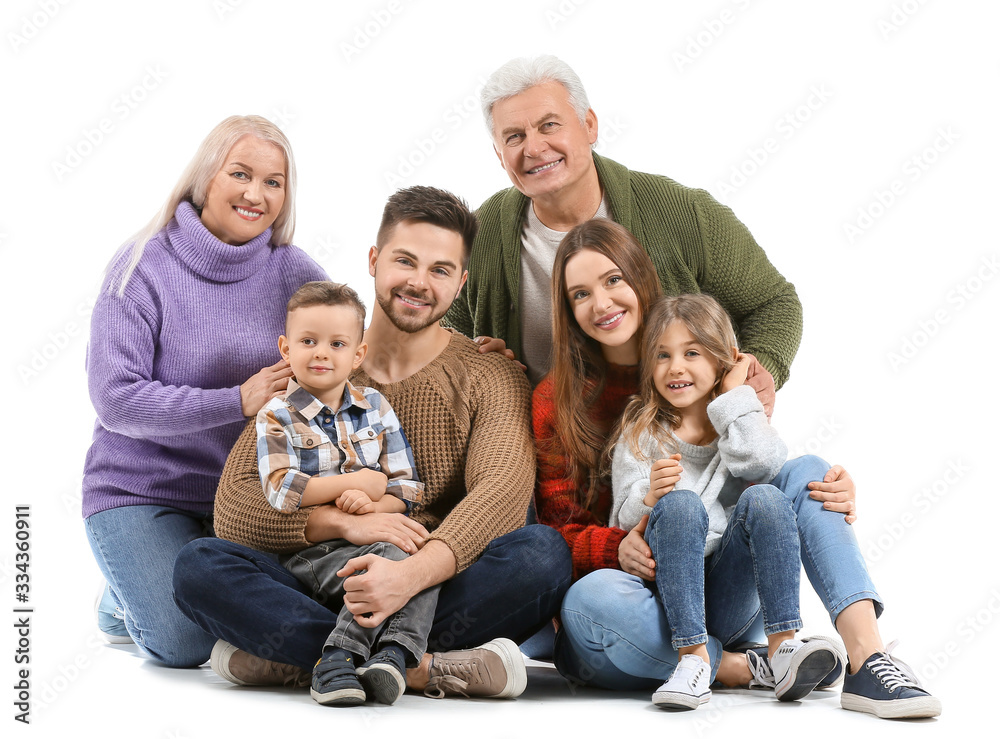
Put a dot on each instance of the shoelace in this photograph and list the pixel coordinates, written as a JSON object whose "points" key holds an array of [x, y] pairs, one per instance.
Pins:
{"points": [[455, 677], [893, 672], [760, 671]]}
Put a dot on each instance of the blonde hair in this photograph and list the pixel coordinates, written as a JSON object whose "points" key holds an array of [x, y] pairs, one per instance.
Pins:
{"points": [[194, 181], [649, 412]]}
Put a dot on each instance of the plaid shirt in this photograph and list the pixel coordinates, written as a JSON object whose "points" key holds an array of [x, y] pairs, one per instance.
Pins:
{"points": [[298, 437]]}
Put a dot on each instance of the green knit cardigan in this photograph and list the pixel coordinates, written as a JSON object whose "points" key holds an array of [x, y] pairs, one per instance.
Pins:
{"points": [[696, 243]]}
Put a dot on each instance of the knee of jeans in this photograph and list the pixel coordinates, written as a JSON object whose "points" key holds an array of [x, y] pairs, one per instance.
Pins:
{"points": [[810, 465], [390, 551], [767, 501], [678, 503], [189, 647]]}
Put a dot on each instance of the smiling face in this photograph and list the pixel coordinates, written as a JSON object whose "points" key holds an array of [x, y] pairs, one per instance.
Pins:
{"points": [[323, 345], [543, 145], [247, 194], [604, 305], [418, 274], [684, 372]]}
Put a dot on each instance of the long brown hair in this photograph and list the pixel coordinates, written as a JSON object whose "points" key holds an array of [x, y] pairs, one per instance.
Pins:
{"points": [[649, 412], [579, 369]]}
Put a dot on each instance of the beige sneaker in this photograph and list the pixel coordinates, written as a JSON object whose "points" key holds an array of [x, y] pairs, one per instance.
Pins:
{"points": [[243, 668], [494, 670]]}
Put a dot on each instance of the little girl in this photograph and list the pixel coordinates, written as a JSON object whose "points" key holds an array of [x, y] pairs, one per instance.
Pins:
{"points": [[691, 443]]}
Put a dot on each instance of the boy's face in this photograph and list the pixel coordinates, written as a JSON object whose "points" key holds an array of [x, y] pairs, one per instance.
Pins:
{"points": [[323, 345]]}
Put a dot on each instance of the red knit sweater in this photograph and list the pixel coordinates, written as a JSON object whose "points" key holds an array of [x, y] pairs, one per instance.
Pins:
{"points": [[594, 544]]}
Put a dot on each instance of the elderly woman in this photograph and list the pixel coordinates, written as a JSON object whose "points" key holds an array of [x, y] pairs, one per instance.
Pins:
{"points": [[182, 351]]}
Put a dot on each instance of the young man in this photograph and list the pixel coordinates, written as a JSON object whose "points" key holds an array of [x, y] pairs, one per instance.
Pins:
{"points": [[467, 417]]}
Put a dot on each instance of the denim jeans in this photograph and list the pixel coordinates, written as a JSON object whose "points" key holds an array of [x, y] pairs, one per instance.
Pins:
{"points": [[248, 599], [756, 566], [135, 548], [316, 567], [616, 635]]}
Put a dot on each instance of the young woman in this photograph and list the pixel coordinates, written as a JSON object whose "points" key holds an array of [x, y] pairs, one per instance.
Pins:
{"points": [[614, 633], [182, 328]]}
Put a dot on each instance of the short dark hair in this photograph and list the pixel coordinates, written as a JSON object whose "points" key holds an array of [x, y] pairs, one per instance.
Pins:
{"points": [[432, 205], [324, 292]]}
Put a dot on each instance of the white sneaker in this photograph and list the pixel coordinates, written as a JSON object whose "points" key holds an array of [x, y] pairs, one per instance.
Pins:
{"points": [[688, 686], [800, 666]]}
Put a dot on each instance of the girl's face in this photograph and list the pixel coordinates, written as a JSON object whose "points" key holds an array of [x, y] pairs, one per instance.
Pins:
{"points": [[684, 374], [604, 305]]}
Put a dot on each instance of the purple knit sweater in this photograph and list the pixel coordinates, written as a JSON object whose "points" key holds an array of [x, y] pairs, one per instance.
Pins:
{"points": [[165, 362]]}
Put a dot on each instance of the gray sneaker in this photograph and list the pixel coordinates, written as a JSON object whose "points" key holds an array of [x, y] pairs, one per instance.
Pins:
{"points": [[494, 670], [243, 668]]}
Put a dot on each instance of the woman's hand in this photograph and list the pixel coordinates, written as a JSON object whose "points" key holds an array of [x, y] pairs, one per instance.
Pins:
{"points": [[837, 493], [634, 554], [269, 383], [663, 476], [488, 344]]}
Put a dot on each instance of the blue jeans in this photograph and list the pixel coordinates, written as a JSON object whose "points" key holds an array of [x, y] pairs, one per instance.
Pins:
{"points": [[135, 548], [248, 599], [755, 565], [616, 635], [317, 566]]}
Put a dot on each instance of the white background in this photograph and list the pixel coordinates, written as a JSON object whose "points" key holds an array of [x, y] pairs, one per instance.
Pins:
{"points": [[811, 113]]}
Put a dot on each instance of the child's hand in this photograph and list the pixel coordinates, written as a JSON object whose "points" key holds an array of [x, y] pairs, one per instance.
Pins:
{"points": [[737, 375], [355, 501], [663, 476]]}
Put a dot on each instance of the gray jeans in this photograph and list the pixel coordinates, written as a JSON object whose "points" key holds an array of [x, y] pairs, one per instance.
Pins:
{"points": [[317, 567]]}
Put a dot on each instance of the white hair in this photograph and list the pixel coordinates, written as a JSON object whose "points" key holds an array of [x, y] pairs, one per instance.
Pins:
{"points": [[519, 74], [194, 181]]}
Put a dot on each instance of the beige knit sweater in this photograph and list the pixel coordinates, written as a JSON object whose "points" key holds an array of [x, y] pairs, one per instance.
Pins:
{"points": [[468, 419]]}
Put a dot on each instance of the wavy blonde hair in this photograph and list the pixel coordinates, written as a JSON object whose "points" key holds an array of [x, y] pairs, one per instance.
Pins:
{"points": [[651, 413], [193, 187]]}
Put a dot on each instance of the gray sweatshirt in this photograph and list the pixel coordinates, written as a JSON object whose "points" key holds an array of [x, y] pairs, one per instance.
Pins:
{"points": [[748, 450]]}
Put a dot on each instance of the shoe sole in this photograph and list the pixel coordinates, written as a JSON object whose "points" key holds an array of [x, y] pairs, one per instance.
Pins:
{"points": [[924, 707], [513, 662], [680, 701], [342, 697], [802, 677], [382, 683], [836, 676], [219, 661]]}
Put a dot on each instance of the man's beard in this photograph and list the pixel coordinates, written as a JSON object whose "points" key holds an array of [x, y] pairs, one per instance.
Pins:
{"points": [[409, 324]]}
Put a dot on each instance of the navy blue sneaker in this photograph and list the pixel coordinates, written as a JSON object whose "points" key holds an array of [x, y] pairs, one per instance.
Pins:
{"points": [[887, 688], [384, 675], [335, 682]]}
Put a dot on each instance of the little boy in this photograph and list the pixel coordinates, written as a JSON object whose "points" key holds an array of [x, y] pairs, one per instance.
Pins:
{"points": [[327, 441]]}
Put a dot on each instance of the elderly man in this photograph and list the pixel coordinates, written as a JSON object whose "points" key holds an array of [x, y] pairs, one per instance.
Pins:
{"points": [[543, 129]]}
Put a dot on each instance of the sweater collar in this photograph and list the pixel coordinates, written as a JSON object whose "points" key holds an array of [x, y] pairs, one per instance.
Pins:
{"points": [[209, 257]]}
